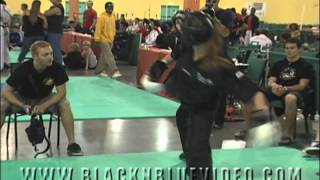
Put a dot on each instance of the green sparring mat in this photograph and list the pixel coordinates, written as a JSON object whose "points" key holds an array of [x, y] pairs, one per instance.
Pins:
{"points": [[267, 163], [94, 97], [15, 54]]}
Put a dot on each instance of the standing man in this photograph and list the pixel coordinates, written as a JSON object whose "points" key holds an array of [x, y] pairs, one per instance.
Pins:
{"points": [[29, 88], [24, 9], [89, 18], [55, 16], [104, 35], [5, 21], [252, 22]]}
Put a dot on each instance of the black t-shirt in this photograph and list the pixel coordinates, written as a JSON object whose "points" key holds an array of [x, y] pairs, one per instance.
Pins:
{"points": [[33, 29], [289, 74], [31, 84], [55, 22], [74, 60]]}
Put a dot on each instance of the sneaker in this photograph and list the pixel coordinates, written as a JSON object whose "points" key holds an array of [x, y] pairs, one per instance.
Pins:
{"points": [[313, 150], [116, 74], [103, 75], [74, 150]]}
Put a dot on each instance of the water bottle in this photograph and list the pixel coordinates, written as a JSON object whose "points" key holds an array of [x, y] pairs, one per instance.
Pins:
{"points": [[315, 123], [317, 116], [300, 116]]}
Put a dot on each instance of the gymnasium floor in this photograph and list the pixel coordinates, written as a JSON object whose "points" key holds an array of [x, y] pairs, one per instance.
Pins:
{"points": [[122, 136]]}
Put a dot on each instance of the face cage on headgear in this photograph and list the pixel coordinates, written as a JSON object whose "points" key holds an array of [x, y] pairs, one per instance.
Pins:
{"points": [[109, 6], [210, 3], [179, 15], [197, 35]]}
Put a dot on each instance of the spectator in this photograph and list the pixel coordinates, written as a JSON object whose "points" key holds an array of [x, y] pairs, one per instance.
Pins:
{"points": [[134, 28], [104, 35], [24, 9], [166, 38], [34, 26], [5, 21], [252, 22], [289, 81], [294, 30], [29, 89], [88, 55], [55, 16], [144, 29], [243, 13], [73, 59], [89, 18], [239, 27], [75, 26], [152, 36], [122, 24]]}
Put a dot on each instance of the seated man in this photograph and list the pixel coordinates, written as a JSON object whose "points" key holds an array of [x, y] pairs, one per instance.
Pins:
{"points": [[289, 80], [31, 85]]}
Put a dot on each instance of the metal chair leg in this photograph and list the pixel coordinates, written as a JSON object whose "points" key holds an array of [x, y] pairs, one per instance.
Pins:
{"points": [[306, 125], [50, 124], [8, 129], [58, 131], [16, 130]]}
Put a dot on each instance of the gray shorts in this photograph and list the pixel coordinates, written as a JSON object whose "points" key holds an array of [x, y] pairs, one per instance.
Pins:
{"points": [[28, 101]]}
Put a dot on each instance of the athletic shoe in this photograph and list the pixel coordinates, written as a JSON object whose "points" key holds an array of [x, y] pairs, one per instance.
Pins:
{"points": [[313, 150], [116, 74], [74, 150], [103, 75]]}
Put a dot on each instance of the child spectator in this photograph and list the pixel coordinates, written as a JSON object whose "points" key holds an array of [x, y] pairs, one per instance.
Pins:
{"points": [[88, 55], [73, 59]]}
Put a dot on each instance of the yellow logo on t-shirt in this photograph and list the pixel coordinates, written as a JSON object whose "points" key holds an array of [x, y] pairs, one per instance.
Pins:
{"points": [[48, 81]]}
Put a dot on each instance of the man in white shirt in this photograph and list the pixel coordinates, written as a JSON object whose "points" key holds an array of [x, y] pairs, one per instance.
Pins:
{"points": [[5, 19]]}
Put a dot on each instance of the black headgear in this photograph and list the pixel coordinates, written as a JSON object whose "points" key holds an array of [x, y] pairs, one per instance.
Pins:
{"points": [[108, 5], [197, 28], [210, 3], [179, 15]]}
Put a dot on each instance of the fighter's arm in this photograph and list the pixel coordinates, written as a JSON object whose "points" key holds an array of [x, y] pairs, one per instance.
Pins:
{"points": [[54, 99]]}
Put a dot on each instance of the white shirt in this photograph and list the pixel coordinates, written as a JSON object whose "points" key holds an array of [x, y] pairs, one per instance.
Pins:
{"points": [[152, 37], [5, 16], [261, 40]]}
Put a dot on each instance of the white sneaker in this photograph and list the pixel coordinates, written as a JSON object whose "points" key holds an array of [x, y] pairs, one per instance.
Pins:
{"points": [[116, 74], [103, 75], [313, 150]]}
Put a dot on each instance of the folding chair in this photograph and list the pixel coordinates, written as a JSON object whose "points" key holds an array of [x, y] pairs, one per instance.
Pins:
{"points": [[20, 113]]}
